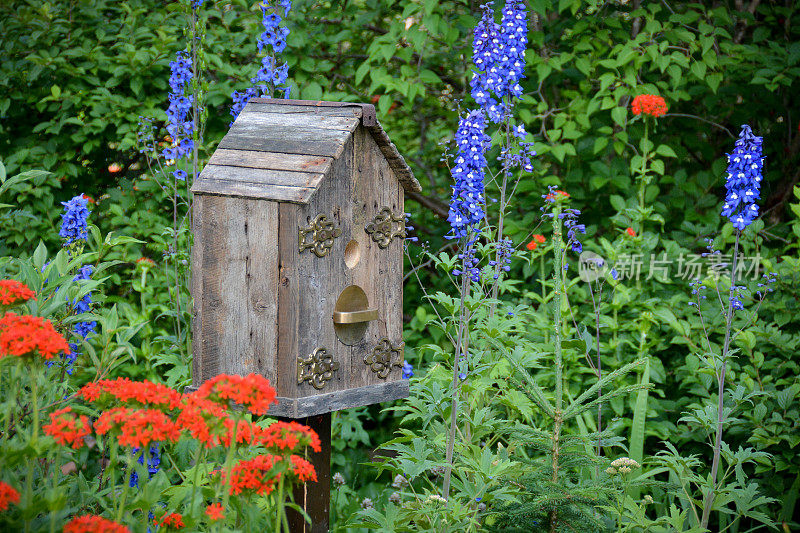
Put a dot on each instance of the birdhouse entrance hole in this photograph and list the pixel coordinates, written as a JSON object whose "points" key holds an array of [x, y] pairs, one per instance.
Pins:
{"points": [[352, 254], [352, 315]]}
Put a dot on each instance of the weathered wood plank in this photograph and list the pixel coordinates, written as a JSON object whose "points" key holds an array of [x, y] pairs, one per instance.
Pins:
{"points": [[286, 146], [261, 230], [196, 289], [272, 161], [266, 119], [281, 193], [214, 250], [256, 105], [260, 175], [326, 402], [323, 277], [300, 134], [288, 301]]}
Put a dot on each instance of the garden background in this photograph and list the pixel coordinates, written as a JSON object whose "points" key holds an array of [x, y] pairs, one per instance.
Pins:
{"points": [[77, 77]]}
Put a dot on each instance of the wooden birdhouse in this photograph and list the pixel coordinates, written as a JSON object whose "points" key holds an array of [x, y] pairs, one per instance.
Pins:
{"points": [[298, 256]]}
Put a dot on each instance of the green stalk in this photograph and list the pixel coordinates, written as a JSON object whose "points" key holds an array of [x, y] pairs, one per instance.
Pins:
{"points": [[125, 486], [196, 470], [544, 293], [643, 179], [709, 498], [558, 278], [462, 328], [279, 505]]}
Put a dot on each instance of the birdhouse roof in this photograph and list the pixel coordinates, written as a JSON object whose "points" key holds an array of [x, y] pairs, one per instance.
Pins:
{"points": [[282, 149]]}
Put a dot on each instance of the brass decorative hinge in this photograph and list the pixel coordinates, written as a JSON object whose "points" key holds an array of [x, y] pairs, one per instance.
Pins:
{"points": [[316, 368], [384, 356], [386, 226], [318, 237]]}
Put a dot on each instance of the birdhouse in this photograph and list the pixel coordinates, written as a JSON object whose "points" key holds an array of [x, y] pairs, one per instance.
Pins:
{"points": [[297, 263]]}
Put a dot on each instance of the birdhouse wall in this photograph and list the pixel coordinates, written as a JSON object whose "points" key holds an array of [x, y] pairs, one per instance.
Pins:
{"points": [[359, 184], [234, 281]]}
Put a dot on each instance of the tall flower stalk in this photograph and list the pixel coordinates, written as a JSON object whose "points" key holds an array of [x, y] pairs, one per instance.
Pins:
{"points": [[743, 183]]}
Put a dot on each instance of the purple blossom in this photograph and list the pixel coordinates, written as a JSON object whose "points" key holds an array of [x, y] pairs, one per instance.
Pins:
{"points": [[499, 58], [408, 370], [272, 75], [743, 183], [73, 220], [179, 124], [468, 201]]}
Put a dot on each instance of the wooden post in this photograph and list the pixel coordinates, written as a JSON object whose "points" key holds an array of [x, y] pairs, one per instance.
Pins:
{"points": [[315, 498]]}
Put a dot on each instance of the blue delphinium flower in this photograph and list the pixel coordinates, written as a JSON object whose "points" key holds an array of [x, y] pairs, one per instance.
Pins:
{"points": [[743, 183], [499, 57], [153, 463], [408, 370], [272, 75], [73, 220], [468, 201], [179, 123]]}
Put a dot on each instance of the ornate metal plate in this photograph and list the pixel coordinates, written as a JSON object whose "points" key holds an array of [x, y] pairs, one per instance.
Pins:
{"points": [[318, 237], [386, 226], [384, 356], [316, 368]]}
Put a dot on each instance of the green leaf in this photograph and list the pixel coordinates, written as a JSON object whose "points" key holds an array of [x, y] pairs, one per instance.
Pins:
{"points": [[713, 81], [619, 115], [55, 90], [362, 71], [666, 151], [640, 417]]}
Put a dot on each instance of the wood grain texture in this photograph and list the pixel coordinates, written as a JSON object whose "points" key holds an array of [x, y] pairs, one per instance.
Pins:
{"points": [[256, 105], [396, 162], [265, 177], [242, 189], [238, 301], [327, 402], [324, 278], [307, 146], [196, 288], [272, 161], [288, 301], [271, 120]]}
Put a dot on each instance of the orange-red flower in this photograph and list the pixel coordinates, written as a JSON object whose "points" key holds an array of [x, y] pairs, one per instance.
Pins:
{"points": [[146, 262], [536, 241], [288, 435], [203, 419], [94, 524], [13, 292], [630, 232], [551, 197], [29, 335], [137, 427], [142, 393], [215, 512], [649, 104], [8, 495], [252, 391], [67, 428], [303, 469], [172, 520], [254, 474]]}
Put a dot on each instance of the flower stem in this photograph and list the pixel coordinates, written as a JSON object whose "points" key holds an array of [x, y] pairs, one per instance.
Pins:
{"points": [[558, 278], [709, 498], [643, 179], [125, 485]]}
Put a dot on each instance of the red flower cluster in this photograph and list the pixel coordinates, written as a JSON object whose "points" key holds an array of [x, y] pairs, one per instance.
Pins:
{"points": [[551, 197], [284, 435], [649, 104], [215, 512], [94, 524], [137, 427], [12, 292], [172, 520], [630, 232], [537, 240], [146, 393], [254, 474], [253, 391], [8, 495], [67, 428], [303, 469], [29, 335], [203, 419]]}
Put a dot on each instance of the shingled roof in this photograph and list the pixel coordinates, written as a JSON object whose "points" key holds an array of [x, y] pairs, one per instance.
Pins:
{"points": [[282, 149]]}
